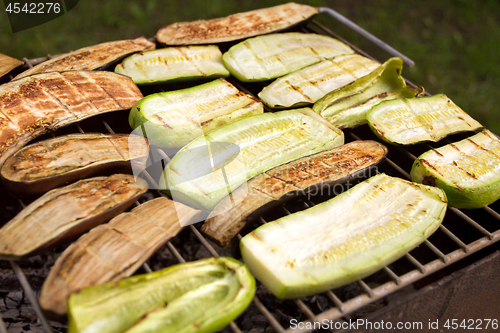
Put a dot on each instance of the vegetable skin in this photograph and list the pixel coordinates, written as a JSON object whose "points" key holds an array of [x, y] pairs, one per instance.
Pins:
{"points": [[201, 296], [344, 239]]}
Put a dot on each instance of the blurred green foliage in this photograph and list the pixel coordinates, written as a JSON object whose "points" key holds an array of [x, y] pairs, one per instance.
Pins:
{"points": [[455, 43]]}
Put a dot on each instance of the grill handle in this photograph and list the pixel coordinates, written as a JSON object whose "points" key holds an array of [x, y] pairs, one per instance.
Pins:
{"points": [[367, 35]]}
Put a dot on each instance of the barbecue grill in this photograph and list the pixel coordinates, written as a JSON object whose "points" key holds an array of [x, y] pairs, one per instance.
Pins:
{"points": [[451, 275]]}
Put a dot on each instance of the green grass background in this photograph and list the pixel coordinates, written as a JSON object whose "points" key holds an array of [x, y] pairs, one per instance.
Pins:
{"points": [[455, 43]]}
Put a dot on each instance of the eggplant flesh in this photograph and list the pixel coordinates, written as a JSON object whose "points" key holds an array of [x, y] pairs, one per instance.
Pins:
{"points": [[90, 57], [307, 175], [173, 119], [40, 167], [113, 251], [311, 83], [7, 64], [262, 142], [200, 296], [236, 26], [348, 106], [65, 213], [174, 64], [34, 105], [468, 170], [345, 238], [407, 121], [271, 56]]}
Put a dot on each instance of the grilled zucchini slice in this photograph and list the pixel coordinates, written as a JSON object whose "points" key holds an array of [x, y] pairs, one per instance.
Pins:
{"points": [[347, 106], [271, 56], [174, 118], [344, 239], [412, 120], [468, 170], [309, 84], [174, 64], [200, 296], [201, 176]]}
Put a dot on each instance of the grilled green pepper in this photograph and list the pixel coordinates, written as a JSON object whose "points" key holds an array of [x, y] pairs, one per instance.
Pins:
{"points": [[309, 84], [174, 64], [347, 106], [172, 119], [201, 176], [200, 296], [271, 56], [468, 170], [407, 121], [344, 239]]}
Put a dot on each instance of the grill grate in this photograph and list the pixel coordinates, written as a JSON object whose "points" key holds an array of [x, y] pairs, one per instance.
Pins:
{"points": [[462, 233]]}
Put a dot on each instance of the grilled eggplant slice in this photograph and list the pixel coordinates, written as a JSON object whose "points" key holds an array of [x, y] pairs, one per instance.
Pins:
{"points": [[200, 296], [65, 213], [271, 56], [407, 121], [344, 239], [347, 106], [114, 250], [91, 57], [174, 64], [32, 106], [174, 118], [236, 26], [309, 84], [7, 64], [42, 166], [306, 175], [262, 142], [468, 170]]}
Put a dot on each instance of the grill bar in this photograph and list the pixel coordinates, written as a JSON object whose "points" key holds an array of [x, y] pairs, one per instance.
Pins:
{"points": [[274, 323], [471, 222], [367, 35], [369, 294], [3, 329], [28, 291]]}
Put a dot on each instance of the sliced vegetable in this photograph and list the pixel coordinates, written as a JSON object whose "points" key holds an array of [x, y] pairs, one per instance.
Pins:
{"points": [[203, 176], [468, 170], [114, 250], [67, 212], [236, 26], [319, 173], [309, 84], [90, 57], [344, 239], [174, 118], [412, 120], [347, 106], [42, 166], [271, 56], [31, 106], [201, 296], [174, 64], [7, 64]]}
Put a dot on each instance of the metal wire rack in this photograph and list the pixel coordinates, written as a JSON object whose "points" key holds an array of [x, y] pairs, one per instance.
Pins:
{"points": [[462, 233]]}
